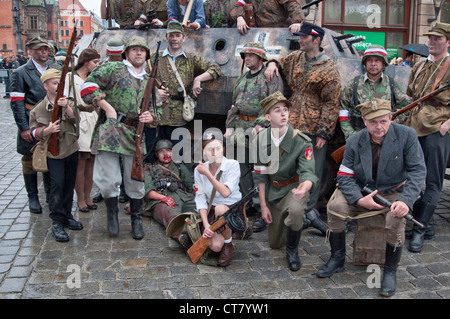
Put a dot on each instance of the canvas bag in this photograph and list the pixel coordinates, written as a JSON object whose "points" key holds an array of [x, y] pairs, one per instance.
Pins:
{"points": [[39, 159], [189, 103]]}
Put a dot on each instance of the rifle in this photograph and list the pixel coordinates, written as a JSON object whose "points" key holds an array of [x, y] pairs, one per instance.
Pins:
{"points": [[230, 218], [53, 144], [137, 169], [383, 201], [338, 154], [188, 12]]}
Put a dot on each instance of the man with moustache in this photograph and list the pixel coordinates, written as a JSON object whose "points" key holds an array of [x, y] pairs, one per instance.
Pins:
{"points": [[113, 138]]}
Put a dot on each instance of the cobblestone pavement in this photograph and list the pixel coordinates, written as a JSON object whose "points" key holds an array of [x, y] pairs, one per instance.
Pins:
{"points": [[34, 265]]}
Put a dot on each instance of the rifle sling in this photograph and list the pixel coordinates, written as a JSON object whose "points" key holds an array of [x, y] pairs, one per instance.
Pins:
{"points": [[441, 74], [213, 193]]}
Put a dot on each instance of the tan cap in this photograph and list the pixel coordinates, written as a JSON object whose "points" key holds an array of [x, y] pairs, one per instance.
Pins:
{"points": [[374, 108], [50, 74], [439, 29], [273, 99], [37, 43]]}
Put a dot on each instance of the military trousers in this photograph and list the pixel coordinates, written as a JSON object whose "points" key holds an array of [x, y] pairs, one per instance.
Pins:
{"points": [[338, 205], [163, 214], [286, 213], [108, 177]]}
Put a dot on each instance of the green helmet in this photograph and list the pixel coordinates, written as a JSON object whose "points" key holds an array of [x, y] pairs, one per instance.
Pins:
{"points": [[254, 48], [163, 144], [136, 41], [376, 50]]}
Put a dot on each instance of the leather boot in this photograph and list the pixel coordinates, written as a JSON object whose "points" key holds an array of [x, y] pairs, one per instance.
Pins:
{"points": [[259, 224], [226, 255], [293, 239], [337, 259], [112, 215], [389, 283], [32, 190], [418, 234], [429, 231], [137, 229], [312, 219]]}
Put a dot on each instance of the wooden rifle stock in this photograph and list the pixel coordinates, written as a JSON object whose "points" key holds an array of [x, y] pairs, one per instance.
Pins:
{"points": [[338, 154], [137, 168], [188, 12], [53, 144]]}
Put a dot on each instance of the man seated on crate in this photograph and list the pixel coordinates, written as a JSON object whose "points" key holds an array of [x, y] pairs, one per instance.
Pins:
{"points": [[386, 157]]}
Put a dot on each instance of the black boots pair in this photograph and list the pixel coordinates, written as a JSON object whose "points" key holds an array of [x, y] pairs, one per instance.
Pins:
{"points": [[337, 260], [112, 215], [31, 185]]}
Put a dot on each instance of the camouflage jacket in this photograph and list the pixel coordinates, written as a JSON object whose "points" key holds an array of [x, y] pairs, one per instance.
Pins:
{"points": [[175, 181], [271, 13], [217, 13], [249, 90], [189, 66], [350, 119], [316, 86], [114, 83], [125, 12]]}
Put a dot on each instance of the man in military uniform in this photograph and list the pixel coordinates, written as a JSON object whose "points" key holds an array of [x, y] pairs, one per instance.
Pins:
{"points": [[269, 13], [131, 12], [246, 115], [431, 120], [284, 173], [26, 91], [168, 186], [113, 139], [386, 157], [373, 84], [314, 79]]}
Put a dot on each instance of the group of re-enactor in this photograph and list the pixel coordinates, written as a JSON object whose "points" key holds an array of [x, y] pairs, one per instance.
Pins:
{"points": [[404, 162]]}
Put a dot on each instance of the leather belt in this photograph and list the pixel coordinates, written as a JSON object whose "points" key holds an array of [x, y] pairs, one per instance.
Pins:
{"points": [[29, 106], [292, 180], [247, 118], [393, 189], [176, 98]]}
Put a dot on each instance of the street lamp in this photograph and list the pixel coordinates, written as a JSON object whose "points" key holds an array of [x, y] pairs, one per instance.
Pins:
{"points": [[16, 17], [437, 9]]}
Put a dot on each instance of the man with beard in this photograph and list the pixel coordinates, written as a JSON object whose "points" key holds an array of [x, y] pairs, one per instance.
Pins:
{"points": [[118, 89], [372, 84]]}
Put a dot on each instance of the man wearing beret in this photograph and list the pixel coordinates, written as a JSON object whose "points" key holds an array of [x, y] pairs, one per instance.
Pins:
{"points": [[315, 82], [387, 158], [431, 120], [26, 91], [284, 173]]}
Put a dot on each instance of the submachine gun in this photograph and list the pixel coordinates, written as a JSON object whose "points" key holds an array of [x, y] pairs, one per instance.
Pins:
{"points": [[230, 218], [151, 14]]}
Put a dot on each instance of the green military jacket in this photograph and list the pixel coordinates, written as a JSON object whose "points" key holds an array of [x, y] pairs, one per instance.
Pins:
{"points": [[293, 157], [175, 181]]}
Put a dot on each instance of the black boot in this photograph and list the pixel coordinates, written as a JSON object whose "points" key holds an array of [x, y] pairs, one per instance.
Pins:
{"points": [[58, 232], [293, 239], [137, 229], [31, 186], [337, 259], [312, 219], [418, 234], [389, 284], [429, 231], [112, 215], [259, 224]]}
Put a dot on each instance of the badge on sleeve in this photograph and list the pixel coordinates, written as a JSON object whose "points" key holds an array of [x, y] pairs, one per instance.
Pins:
{"points": [[198, 189], [309, 153]]}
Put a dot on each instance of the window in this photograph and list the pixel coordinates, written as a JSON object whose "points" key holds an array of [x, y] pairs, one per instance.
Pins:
{"points": [[33, 23], [445, 16]]}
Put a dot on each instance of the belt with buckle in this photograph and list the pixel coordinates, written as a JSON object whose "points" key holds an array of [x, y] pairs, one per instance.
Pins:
{"points": [[292, 180]]}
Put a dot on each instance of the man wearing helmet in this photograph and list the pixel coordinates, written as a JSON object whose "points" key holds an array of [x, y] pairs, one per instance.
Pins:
{"points": [[168, 188], [113, 138], [373, 84]]}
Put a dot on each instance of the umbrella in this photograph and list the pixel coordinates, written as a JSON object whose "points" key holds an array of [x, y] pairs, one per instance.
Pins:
{"points": [[417, 48]]}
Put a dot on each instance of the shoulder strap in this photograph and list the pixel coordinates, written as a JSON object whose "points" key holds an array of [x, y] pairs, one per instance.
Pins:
{"points": [[174, 68], [441, 74], [213, 193]]}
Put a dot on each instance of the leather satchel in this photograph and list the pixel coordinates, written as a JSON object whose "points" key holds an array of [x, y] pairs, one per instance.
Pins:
{"points": [[39, 159]]}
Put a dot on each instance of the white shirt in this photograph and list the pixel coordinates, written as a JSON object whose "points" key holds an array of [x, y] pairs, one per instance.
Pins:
{"points": [[39, 67], [231, 174]]}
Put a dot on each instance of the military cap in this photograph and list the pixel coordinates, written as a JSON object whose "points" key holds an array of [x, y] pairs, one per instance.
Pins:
{"points": [[50, 74], [174, 26], [114, 46], [311, 29], [273, 99], [439, 29], [163, 144], [136, 41], [376, 50], [254, 48], [374, 108], [37, 43]]}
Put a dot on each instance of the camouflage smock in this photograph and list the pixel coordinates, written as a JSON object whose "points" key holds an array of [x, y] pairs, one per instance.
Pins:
{"points": [[367, 90], [217, 13], [114, 83], [125, 12], [189, 66], [249, 90], [272, 13], [316, 86]]}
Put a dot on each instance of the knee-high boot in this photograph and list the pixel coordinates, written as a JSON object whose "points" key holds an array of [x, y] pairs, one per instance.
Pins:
{"points": [[137, 229], [293, 239], [112, 215], [389, 283], [31, 186], [337, 259], [418, 234]]}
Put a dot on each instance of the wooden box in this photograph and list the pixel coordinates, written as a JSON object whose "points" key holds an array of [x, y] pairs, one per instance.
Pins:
{"points": [[369, 244]]}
